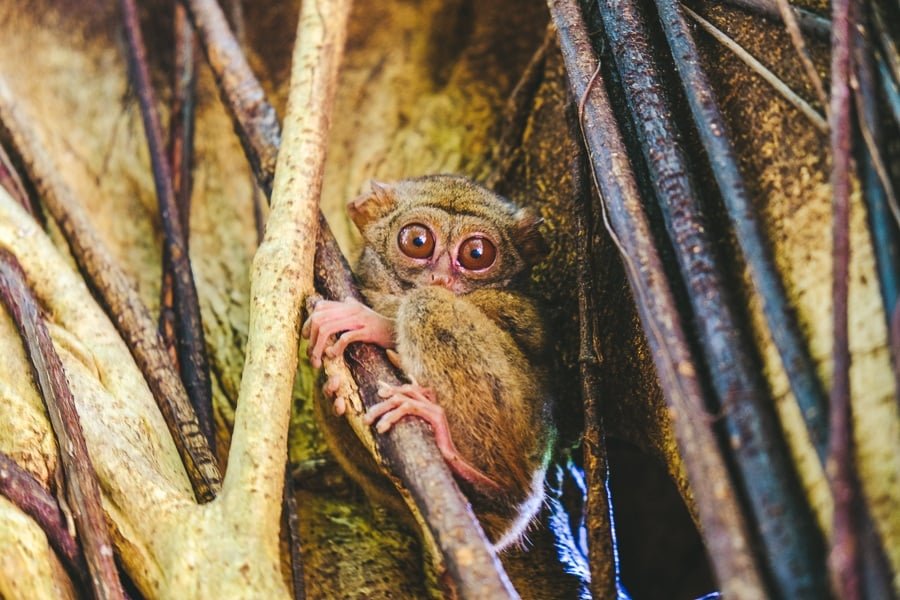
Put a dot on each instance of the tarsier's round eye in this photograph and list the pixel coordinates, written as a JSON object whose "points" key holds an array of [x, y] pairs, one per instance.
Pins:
{"points": [[416, 241], [477, 253]]}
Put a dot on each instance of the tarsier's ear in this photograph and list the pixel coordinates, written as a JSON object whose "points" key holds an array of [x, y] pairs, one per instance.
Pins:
{"points": [[372, 205], [527, 236]]}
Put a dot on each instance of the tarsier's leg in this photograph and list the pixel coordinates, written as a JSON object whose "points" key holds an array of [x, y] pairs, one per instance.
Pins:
{"points": [[413, 399]]}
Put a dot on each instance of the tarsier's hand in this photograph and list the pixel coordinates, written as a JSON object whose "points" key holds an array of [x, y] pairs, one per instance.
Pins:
{"points": [[352, 320]]}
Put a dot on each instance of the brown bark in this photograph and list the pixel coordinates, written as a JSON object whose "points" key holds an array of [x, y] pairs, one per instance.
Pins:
{"points": [[81, 484], [128, 312]]}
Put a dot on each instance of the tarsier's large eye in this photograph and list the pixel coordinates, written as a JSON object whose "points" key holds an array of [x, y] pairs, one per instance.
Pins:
{"points": [[416, 241], [477, 253]]}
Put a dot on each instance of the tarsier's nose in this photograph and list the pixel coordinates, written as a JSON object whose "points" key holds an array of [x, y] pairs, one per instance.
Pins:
{"points": [[440, 279]]}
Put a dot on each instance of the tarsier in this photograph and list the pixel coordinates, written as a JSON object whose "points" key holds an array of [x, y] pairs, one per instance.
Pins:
{"points": [[442, 268]]}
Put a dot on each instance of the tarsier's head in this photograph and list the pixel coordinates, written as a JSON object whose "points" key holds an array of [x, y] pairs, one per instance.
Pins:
{"points": [[446, 230]]}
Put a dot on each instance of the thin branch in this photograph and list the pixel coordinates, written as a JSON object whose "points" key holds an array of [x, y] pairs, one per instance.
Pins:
{"points": [[787, 93], [181, 150], [235, 10], [598, 512], [719, 512], [22, 489], [409, 444], [116, 293], [710, 124], [253, 116], [793, 28], [879, 196], [12, 183], [81, 483], [844, 555], [794, 549], [189, 328]]}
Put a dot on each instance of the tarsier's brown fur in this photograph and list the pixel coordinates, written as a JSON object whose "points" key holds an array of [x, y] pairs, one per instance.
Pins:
{"points": [[478, 346]]}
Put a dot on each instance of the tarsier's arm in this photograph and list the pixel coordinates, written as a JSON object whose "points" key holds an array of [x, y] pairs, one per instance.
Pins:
{"points": [[350, 321]]}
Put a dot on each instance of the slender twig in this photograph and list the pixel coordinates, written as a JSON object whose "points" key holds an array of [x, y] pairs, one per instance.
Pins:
{"points": [[81, 484], [239, 26], [718, 508], [191, 344], [787, 93], [793, 28], [878, 187], [22, 489], [843, 558], [780, 318], [598, 512], [254, 117], [12, 183], [794, 550], [181, 150], [409, 445], [116, 293]]}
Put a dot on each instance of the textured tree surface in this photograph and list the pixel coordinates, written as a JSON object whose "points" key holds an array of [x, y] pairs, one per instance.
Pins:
{"points": [[423, 88]]}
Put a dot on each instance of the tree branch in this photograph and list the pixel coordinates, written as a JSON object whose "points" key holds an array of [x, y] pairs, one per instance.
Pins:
{"points": [[711, 127], [254, 118], [409, 449], [23, 490], [191, 345], [789, 17], [12, 183], [181, 151], [794, 549], [118, 296], [718, 509], [600, 530], [844, 558], [81, 483]]}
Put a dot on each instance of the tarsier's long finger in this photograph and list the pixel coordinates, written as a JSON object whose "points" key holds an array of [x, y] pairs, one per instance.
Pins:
{"points": [[326, 306], [320, 335], [321, 312], [376, 410], [432, 413], [344, 340], [414, 390]]}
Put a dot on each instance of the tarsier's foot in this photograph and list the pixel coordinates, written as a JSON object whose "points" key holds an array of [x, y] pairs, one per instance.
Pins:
{"points": [[413, 399], [351, 321]]}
